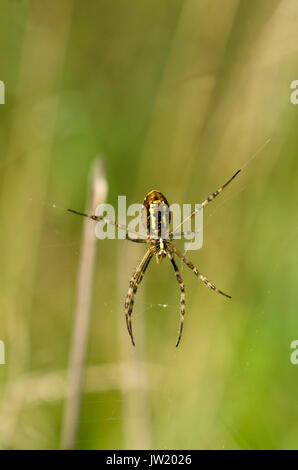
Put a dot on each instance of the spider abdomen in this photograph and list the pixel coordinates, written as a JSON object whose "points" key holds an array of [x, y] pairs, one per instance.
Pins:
{"points": [[156, 215]]}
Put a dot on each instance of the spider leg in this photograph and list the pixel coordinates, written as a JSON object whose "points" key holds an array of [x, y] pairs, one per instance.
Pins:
{"points": [[204, 203], [175, 234], [182, 297], [197, 273], [216, 193], [133, 286], [111, 222]]}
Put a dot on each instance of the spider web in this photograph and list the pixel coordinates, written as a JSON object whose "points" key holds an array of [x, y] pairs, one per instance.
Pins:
{"points": [[92, 399]]}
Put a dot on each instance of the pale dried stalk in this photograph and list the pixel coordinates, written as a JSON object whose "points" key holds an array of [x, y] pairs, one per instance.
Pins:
{"points": [[82, 313]]}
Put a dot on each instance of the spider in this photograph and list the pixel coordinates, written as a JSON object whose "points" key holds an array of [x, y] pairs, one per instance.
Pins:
{"points": [[155, 207]]}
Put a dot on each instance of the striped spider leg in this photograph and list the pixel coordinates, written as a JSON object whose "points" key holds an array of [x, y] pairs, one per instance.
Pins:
{"points": [[156, 208], [197, 273], [172, 249], [133, 286], [183, 258], [140, 271], [182, 295], [204, 204], [98, 218]]}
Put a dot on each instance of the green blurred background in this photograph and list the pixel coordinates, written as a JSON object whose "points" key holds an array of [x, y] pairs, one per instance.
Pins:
{"points": [[177, 95]]}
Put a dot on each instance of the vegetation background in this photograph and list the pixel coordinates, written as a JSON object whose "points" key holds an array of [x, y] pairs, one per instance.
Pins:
{"points": [[177, 94]]}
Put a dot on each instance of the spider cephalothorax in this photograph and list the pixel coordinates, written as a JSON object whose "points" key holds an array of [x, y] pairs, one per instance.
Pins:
{"points": [[156, 219]]}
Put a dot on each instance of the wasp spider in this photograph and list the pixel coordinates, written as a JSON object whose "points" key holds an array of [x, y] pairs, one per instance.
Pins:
{"points": [[155, 209]]}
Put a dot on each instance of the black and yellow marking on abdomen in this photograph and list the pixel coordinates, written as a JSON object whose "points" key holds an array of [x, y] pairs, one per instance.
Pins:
{"points": [[156, 216]]}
